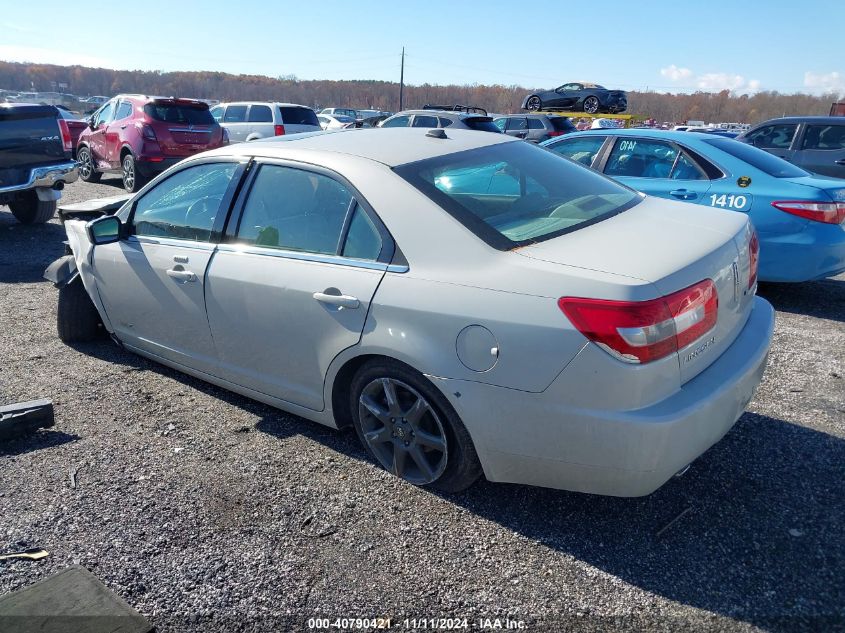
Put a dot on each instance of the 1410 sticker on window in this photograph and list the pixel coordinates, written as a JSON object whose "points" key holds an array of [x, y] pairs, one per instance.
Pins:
{"points": [[730, 201]]}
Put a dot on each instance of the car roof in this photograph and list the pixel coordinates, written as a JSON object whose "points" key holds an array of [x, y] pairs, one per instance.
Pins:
{"points": [[268, 103], [671, 135], [443, 113], [389, 146], [804, 119]]}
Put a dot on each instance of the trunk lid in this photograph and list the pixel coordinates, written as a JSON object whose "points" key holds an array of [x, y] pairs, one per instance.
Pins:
{"points": [[673, 246], [29, 137], [183, 127]]}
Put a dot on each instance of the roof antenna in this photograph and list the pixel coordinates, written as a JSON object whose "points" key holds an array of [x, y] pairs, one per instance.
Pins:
{"points": [[436, 133]]}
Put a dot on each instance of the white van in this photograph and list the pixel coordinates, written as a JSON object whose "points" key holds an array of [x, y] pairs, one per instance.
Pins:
{"points": [[250, 120]]}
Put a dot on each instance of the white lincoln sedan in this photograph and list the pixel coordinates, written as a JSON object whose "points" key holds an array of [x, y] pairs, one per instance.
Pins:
{"points": [[468, 302]]}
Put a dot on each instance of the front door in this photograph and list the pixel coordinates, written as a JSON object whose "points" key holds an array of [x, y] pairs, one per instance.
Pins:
{"points": [[292, 287], [657, 168], [152, 282], [97, 137]]}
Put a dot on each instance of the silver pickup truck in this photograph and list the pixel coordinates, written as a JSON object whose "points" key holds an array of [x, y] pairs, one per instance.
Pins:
{"points": [[35, 160]]}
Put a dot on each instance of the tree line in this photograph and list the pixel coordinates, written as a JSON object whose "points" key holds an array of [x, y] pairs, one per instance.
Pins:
{"points": [[384, 95]]}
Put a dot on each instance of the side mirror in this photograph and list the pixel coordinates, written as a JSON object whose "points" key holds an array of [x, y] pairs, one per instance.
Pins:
{"points": [[90, 122], [105, 230]]}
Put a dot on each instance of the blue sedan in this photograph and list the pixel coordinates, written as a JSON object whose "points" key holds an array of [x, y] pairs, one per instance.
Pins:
{"points": [[800, 218]]}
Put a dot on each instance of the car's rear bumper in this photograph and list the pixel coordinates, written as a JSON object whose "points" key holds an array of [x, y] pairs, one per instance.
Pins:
{"points": [[531, 438], [816, 252], [46, 176]]}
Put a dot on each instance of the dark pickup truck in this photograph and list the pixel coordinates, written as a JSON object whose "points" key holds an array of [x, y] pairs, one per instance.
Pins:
{"points": [[35, 160]]}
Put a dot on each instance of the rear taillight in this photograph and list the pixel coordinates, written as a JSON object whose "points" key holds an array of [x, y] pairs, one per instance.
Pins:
{"points": [[754, 258], [827, 212], [147, 132], [559, 132], [643, 331], [65, 132], [279, 130]]}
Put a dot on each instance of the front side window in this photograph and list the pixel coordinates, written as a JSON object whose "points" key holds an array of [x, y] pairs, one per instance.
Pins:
{"points": [[260, 114], [424, 120], [824, 137], [104, 115], [514, 194], [581, 148], [235, 114], [398, 121], [184, 205], [773, 136], [294, 209], [641, 158], [500, 123]]}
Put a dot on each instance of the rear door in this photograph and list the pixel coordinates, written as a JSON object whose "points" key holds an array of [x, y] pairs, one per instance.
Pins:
{"points": [[822, 149], [152, 283], [291, 287], [517, 126], [584, 149], [260, 119], [658, 168]]}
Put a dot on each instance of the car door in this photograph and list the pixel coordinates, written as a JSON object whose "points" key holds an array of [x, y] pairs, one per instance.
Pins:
{"points": [[823, 149], [260, 119], [152, 282], [290, 287], [775, 139], [657, 168], [567, 96], [97, 137], [235, 121], [116, 132], [517, 126], [425, 120]]}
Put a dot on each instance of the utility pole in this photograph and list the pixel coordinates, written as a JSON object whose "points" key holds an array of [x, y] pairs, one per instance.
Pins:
{"points": [[402, 80]]}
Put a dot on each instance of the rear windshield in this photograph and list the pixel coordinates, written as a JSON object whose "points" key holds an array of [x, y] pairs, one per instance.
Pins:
{"points": [[171, 113], [514, 194], [482, 123], [562, 124], [298, 116], [765, 162]]}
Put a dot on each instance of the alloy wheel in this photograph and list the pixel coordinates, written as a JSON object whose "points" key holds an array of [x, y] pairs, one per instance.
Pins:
{"points": [[86, 167], [591, 105], [128, 173], [403, 430], [533, 104]]}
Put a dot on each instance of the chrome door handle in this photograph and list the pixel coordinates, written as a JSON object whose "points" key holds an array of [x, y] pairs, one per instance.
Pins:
{"points": [[841, 161], [342, 301], [181, 275], [683, 194]]}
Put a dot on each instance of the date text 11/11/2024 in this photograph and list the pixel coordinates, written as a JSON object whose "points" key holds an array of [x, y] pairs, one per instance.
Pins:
{"points": [[431, 624]]}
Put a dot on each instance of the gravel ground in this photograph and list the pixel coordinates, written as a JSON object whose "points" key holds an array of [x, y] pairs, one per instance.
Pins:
{"points": [[206, 511]]}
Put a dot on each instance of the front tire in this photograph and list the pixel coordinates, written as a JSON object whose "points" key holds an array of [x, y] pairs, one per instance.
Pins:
{"points": [[533, 104], [591, 105], [30, 209], [132, 179], [410, 428], [77, 320], [87, 171]]}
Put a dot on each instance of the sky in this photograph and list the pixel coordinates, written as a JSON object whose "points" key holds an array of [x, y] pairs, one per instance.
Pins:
{"points": [[661, 45]]}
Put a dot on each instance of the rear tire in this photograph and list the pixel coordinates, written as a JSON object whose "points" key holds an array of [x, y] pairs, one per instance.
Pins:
{"points": [[77, 320], [591, 105], [461, 468], [87, 171], [30, 209], [533, 104], [132, 179]]}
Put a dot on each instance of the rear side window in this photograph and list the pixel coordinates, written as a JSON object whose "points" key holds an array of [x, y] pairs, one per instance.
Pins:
{"points": [[579, 148], [298, 116], [535, 124], [514, 194], [757, 158], [260, 114], [483, 124], [235, 114], [184, 205], [172, 113], [363, 240], [824, 137], [773, 136], [294, 209], [444, 122], [517, 123], [423, 120], [123, 110], [641, 158]]}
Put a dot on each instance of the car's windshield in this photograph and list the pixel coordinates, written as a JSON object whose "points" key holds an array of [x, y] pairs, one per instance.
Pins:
{"points": [[513, 194], [195, 115], [757, 158]]}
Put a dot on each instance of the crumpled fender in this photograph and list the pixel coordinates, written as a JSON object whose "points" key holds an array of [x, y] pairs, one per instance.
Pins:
{"points": [[62, 272]]}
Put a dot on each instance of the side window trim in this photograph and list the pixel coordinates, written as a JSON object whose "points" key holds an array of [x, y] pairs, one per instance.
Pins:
{"points": [[220, 219], [229, 235]]}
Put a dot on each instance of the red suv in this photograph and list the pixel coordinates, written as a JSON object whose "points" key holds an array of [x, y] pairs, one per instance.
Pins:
{"points": [[138, 137]]}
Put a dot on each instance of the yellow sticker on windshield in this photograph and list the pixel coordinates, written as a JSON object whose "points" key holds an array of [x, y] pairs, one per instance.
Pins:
{"points": [[743, 181]]}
